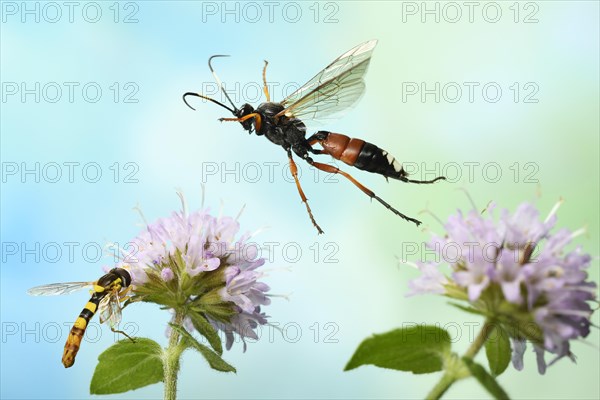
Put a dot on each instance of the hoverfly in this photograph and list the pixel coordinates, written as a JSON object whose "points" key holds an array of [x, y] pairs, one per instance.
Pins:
{"points": [[334, 89], [108, 293]]}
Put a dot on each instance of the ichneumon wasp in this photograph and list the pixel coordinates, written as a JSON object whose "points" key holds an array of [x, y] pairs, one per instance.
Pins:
{"points": [[332, 90], [108, 293]]}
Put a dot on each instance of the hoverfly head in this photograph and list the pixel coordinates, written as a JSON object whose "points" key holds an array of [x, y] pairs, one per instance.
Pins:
{"points": [[124, 275]]}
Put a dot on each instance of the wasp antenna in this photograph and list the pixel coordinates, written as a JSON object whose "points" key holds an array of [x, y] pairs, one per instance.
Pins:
{"points": [[205, 98], [219, 80], [185, 101]]}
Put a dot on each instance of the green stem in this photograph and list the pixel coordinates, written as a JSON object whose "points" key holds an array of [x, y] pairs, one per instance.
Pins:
{"points": [[171, 360], [453, 372], [440, 388]]}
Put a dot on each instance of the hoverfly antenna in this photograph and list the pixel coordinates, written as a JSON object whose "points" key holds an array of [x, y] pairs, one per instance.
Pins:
{"points": [[218, 80], [206, 98]]}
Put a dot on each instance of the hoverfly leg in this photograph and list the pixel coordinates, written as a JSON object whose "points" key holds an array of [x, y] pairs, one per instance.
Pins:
{"points": [[294, 170], [123, 292], [265, 87], [335, 170], [122, 333]]}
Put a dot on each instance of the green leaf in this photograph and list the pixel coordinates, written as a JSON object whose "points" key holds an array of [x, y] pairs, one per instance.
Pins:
{"points": [[207, 330], [486, 380], [214, 360], [470, 310], [420, 349], [127, 366], [221, 312], [497, 349]]}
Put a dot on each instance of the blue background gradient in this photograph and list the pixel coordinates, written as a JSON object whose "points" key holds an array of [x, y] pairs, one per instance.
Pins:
{"points": [[344, 285]]}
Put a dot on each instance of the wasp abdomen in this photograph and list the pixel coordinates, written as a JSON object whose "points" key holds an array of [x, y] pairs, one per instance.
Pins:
{"points": [[362, 155]]}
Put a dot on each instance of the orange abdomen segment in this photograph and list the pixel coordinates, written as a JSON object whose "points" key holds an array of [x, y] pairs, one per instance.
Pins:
{"points": [[342, 148], [72, 346], [78, 330]]}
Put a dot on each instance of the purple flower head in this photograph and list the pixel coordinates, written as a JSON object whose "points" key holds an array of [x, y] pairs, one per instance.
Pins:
{"points": [[196, 257], [432, 280], [541, 284], [166, 274]]}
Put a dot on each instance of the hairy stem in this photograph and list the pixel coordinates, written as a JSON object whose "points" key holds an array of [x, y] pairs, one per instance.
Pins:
{"points": [[453, 370], [171, 360]]}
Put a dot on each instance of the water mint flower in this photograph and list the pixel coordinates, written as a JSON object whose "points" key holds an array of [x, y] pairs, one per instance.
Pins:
{"points": [[432, 280], [517, 273], [193, 262], [198, 267]]}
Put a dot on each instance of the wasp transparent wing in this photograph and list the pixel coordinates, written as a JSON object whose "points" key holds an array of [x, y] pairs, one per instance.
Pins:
{"points": [[55, 289], [333, 90]]}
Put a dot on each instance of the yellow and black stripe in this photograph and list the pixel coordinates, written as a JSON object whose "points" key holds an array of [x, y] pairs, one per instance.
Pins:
{"points": [[115, 279]]}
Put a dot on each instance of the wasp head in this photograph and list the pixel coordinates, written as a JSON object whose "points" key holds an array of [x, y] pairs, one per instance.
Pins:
{"points": [[242, 112]]}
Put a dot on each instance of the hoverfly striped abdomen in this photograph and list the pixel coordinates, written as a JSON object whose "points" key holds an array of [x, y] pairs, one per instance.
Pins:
{"points": [[360, 154], [115, 280], [78, 330]]}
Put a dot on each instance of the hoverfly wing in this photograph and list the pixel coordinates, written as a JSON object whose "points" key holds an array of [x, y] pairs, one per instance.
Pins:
{"points": [[55, 289], [115, 317], [334, 89], [104, 309], [110, 309]]}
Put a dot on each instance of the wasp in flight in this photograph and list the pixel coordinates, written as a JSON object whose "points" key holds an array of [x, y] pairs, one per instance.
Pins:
{"points": [[334, 89], [107, 294]]}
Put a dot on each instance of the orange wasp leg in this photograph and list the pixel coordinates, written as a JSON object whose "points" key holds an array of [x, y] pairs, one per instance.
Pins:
{"points": [[335, 170], [256, 116], [294, 170]]}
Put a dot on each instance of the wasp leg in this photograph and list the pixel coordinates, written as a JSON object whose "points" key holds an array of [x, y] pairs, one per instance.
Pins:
{"points": [[256, 116], [294, 170], [335, 170], [317, 137], [404, 179], [265, 88], [122, 333]]}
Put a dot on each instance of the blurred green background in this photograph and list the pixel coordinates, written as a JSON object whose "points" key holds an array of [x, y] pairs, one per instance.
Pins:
{"points": [[536, 139]]}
